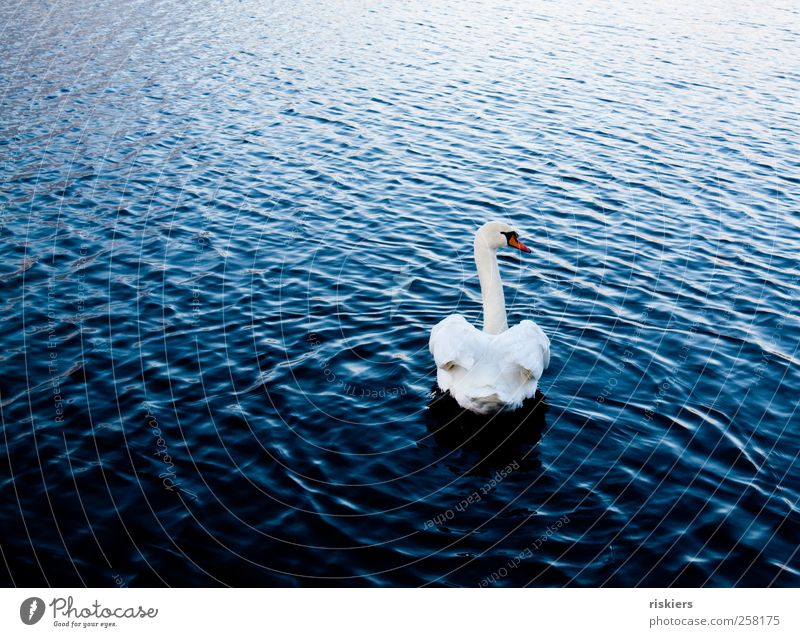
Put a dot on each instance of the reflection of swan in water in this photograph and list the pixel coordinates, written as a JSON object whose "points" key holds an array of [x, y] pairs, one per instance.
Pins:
{"points": [[496, 439], [497, 368]]}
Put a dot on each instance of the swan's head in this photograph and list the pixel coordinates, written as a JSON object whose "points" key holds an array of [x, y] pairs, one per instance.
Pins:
{"points": [[496, 234]]}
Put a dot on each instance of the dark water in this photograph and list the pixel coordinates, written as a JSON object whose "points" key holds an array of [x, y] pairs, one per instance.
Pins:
{"points": [[227, 229]]}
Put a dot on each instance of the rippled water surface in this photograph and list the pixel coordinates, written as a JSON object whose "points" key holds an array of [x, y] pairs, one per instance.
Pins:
{"points": [[227, 229]]}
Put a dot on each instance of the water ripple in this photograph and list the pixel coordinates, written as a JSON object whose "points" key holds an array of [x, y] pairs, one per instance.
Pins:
{"points": [[229, 230]]}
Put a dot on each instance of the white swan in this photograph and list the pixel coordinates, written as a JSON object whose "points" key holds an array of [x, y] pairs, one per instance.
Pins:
{"points": [[497, 368]]}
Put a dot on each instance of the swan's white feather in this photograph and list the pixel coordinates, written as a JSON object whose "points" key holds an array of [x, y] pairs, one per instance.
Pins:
{"points": [[449, 343], [488, 372], [532, 348]]}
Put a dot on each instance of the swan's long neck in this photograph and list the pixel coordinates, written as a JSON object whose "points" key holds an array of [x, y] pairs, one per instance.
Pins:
{"points": [[494, 303]]}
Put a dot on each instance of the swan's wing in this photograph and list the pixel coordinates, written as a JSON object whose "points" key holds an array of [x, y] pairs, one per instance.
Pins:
{"points": [[453, 343], [528, 346]]}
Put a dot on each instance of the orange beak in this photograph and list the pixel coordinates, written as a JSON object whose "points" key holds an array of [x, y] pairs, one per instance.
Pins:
{"points": [[514, 242]]}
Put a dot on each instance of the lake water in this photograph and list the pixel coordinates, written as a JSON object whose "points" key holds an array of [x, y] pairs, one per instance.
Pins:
{"points": [[227, 229]]}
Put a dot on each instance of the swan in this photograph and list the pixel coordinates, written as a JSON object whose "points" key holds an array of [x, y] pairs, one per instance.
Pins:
{"points": [[500, 367]]}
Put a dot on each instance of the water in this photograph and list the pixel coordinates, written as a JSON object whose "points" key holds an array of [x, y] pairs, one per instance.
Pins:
{"points": [[226, 233]]}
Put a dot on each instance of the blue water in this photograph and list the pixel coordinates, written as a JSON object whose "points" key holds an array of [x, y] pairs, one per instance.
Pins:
{"points": [[227, 229]]}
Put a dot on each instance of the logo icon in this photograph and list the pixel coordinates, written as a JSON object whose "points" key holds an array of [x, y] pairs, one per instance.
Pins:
{"points": [[31, 610]]}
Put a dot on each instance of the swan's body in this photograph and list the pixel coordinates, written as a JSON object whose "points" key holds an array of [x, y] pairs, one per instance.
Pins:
{"points": [[497, 368]]}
